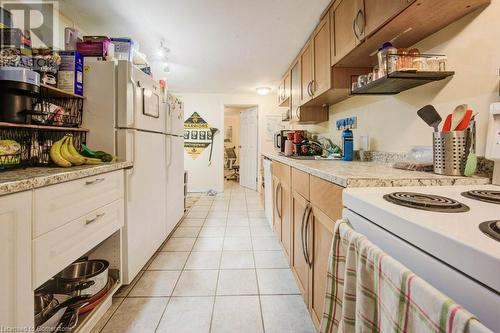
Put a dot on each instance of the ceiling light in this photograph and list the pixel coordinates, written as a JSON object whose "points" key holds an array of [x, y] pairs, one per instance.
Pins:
{"points": [[263, 91]]}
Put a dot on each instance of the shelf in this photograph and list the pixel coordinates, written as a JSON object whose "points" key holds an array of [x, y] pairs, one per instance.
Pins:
{"points": [[396, 82], [52, 91], [43, 127]]}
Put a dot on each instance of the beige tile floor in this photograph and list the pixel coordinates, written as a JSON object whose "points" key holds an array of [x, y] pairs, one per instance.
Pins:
{"points": [[221, 271]]}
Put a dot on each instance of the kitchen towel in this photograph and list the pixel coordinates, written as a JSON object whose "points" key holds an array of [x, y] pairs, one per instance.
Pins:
{"points": [[368, 291]]}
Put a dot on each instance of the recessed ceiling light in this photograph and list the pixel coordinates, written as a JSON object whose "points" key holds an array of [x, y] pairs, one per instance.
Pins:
{"points": [[263, 91]]}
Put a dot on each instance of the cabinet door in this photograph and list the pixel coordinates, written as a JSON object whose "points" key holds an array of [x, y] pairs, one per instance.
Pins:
{"points": [[348, 27], [379, 12], [320, 234], [16, 302], [300, 266], [295, 89], [276, 207], [322, 67], [286, 87], [281, 90], [306, 73]]}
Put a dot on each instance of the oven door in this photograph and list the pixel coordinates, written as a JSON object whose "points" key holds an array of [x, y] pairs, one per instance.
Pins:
{"points": [[476, 298]]}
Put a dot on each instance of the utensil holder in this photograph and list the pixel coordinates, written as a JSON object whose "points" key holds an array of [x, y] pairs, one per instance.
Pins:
{"points": [[450, 152]]}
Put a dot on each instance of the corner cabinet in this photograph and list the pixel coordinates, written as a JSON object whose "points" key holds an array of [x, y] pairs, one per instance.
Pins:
{"points": [[16, 303]]}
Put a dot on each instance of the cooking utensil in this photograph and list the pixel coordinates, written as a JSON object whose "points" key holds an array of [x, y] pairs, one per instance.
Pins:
{"points": [[53, 317], [86, 277], [447, 123], [431, 117], [457, 116], [98, 298], [464, 124], [44, 303], [471, 163]]}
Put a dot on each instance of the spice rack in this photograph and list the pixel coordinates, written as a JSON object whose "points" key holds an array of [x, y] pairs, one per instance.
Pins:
{"points": [[402, 72]]}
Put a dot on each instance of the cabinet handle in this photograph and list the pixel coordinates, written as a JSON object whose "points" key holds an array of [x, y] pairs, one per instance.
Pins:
{"points": [[278, 189], [309, 257], [309, 89], [97, 217], [297, 112], [304, 253], [313, 87], [95, 181], [355, 25]]}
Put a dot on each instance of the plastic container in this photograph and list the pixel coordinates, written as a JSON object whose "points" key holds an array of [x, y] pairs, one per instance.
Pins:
{"points": [[123, 48], [386, 64]]}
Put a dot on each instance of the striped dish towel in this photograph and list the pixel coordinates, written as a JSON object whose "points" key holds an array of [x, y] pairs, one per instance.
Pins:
{"points": [[368, 291]]}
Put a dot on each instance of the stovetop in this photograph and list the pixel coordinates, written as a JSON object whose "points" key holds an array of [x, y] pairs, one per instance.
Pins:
{"points": [[454, 237]]}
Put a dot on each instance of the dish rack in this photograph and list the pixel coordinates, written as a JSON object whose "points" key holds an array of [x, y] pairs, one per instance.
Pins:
{"points": [[35, 142]]}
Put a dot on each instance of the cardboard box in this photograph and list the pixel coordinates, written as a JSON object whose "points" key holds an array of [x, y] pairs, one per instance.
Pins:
{"points": [[70, 75], [46, 62], [15, 48]]}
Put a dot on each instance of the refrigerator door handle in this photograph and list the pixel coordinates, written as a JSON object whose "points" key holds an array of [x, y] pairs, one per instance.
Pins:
{"points": [[167, 153], [170, 154], [134, 99], [131, 172]]}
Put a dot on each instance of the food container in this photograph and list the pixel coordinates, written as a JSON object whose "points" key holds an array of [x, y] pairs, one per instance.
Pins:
{"points": [[123, 48], [94, 46], [46, 62], [70, 75], [450, 152], [386, 62], [15, 48]]}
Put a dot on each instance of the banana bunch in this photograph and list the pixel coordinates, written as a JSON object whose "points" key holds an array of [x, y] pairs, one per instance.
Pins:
{"points": [[64, 154]]}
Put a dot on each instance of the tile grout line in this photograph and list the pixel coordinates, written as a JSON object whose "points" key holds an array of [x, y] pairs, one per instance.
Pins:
{"points": [[178, 278]]}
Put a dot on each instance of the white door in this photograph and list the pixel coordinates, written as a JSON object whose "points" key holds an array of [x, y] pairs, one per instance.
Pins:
{"points": [[145, 196], [248, 148], [175, 181]]}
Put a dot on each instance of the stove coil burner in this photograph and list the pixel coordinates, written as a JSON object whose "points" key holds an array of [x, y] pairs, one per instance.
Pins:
{"points": [[429, 202], [491, 228], [483, 195]]}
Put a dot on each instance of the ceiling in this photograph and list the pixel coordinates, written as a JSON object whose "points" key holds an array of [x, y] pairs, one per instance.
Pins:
{"points": [[223, 46]]}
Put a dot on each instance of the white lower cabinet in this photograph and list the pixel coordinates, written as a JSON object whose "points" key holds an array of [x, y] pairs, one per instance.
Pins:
{"points": [[39, 237], [16, 300]]}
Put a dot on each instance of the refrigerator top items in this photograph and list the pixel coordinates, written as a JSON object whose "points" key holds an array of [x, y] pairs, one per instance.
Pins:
{"points": [[447, 236]]}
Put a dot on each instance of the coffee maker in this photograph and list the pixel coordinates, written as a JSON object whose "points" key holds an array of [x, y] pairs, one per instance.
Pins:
{"points": [[279, 139]]}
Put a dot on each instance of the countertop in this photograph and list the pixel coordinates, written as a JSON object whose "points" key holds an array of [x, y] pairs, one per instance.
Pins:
{"points": [[18, 180], [371, 174]]}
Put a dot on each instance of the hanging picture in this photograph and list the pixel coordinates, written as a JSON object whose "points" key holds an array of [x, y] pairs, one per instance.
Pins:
{"points": [[197, 135]]}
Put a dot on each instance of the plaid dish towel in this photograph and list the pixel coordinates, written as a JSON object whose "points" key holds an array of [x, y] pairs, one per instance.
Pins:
{"points": [[368, 291]]}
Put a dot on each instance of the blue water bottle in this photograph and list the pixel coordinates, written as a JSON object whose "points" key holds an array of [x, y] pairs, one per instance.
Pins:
{"points": [[347, 145]]}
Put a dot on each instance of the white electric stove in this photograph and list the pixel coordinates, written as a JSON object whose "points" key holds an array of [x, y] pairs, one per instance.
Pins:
{"points": [[448, 238]]}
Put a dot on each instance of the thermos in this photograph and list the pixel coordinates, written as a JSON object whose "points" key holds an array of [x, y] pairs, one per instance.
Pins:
{"points": [[347, 145], [288, 147]]}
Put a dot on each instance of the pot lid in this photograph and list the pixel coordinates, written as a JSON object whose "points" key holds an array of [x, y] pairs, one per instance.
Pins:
{"points": [[19, 74]]}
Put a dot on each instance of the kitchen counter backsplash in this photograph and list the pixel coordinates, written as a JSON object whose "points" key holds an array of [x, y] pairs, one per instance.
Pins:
{"points": [[19, 180], [484, 166], [372, 173]]}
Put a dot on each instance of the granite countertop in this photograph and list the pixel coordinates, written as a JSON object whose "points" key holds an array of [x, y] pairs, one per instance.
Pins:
{"points": [[19, 180], [371, 174]]}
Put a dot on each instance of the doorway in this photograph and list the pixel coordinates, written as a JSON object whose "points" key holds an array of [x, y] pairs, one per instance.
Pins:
{"points": [[241, 145]]}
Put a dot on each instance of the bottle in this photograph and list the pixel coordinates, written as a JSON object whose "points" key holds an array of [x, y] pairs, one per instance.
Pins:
{"points": [[347, 145]]}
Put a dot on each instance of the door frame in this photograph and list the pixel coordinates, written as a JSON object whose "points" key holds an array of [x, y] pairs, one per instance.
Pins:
{"points": [[223, 134]]}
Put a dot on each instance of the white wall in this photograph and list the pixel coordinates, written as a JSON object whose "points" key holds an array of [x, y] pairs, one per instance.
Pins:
{"points": [[203, 177], [473, 49]]}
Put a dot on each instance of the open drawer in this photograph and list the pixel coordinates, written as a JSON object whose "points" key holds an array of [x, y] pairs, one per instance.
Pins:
{"points": [[58, 248]]}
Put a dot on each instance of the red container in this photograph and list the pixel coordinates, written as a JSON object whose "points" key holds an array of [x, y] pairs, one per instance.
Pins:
{"points": [[94, 46]]}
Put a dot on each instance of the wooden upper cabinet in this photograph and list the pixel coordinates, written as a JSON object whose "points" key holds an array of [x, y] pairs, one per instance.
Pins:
{"points": [[321, 54], [284, 91], [349, 27], [306, 73], [378, 12]]}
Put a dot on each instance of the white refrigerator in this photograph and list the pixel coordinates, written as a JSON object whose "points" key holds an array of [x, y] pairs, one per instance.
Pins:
{"points": [[127, 114]]}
